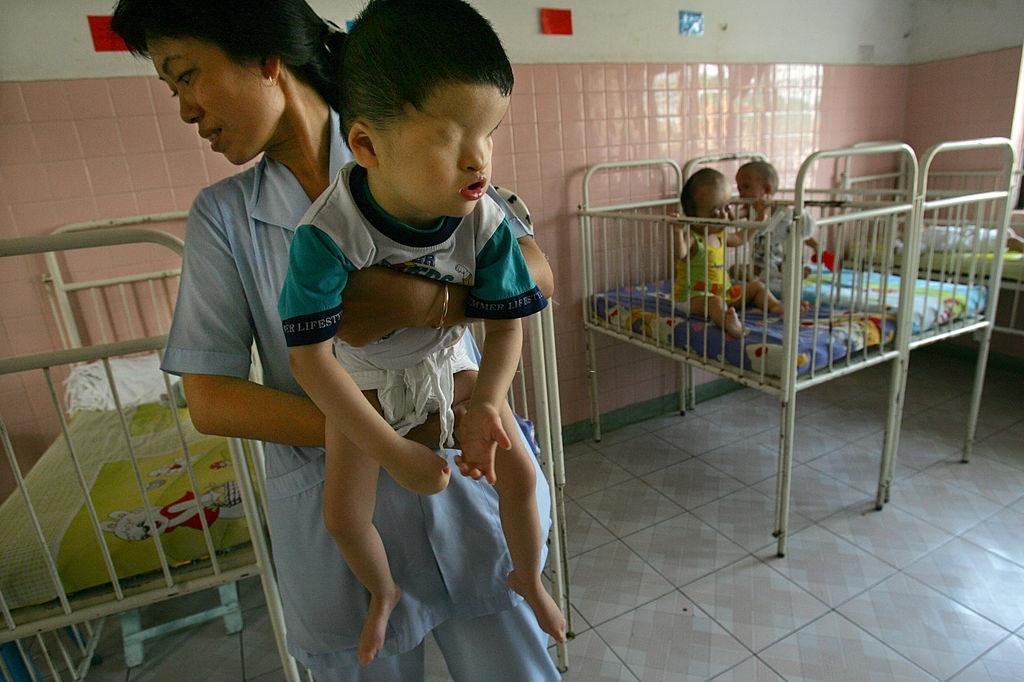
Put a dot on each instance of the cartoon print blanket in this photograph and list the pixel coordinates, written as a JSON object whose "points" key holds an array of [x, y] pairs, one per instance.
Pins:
{"points": [[647, 310], [60, 505]]}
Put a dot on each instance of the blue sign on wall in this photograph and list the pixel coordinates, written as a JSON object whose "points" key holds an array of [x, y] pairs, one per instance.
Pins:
{"points": [[691, 23]]}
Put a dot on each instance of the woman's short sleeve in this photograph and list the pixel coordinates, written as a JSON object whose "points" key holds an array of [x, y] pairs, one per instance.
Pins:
{"points": [[310, 303], [212, 330], [503, 288], [520, 228]]}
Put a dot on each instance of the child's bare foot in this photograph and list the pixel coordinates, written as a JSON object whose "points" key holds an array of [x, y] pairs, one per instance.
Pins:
{"points": [[733, 326], [416, 467], [1014, 243], [549, 616], [371, 640], [776, 308]]}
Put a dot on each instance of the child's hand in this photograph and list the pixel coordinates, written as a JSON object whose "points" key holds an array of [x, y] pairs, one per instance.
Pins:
{"points": [[480, 433], [723, 213]]}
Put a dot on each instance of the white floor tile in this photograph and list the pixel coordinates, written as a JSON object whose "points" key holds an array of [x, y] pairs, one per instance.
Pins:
{"points": [[591, 472], [830, 568], [751, 670], [692, 483], [628, 507], [814, 494], [747, 517], [1003, 663], [756, 604], [930, 629], [833, 648], [582, 531], [697, 435], [611, 580], [684, 548], [891, 535], [591, 660], [669, 640], [977, 578], [643, 454], [1001, 534], [940, 502]]}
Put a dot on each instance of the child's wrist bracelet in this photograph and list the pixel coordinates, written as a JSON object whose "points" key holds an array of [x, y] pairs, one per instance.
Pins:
{"points": [[444, 309]]}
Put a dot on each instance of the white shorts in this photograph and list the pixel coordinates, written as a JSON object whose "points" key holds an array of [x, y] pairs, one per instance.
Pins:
{"points": [[408, 395]]}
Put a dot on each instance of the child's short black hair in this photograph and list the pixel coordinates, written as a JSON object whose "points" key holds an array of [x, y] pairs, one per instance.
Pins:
{"points": [[399, 51], [705, 177], [763, 170]]}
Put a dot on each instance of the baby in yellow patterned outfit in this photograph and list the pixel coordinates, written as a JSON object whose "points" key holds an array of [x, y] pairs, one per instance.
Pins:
{"points": [[702, 285]]}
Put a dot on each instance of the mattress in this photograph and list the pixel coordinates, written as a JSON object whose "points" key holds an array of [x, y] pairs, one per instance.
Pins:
{"points": [[647, 310], [935, 303], [101, 451]]}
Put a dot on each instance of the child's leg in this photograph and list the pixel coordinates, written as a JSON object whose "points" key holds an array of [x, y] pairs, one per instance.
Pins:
{"points": [[1014, 242], [763, 298], [722, 315], [350, 492], [520, 522]]}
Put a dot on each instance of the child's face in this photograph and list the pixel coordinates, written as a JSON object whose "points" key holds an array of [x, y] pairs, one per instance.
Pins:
{"points": [[750, 185], [435, 161], [712, 201]]}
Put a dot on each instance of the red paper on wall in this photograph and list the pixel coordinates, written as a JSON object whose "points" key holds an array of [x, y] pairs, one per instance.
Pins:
{"points": [[556, 21], [103, 39]]}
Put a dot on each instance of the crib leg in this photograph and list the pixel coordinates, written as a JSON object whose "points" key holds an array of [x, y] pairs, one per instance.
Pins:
{"points": [[684, 387], [887, 468], [131, 626], [595, 409], [232, 609], [979, 384], [782, 491]]}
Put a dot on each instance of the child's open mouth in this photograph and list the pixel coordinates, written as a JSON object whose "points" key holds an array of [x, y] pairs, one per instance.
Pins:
{"points": [[475, 190]]}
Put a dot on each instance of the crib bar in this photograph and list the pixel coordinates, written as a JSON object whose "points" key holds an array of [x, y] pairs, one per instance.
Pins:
{"points": [[263, 560], [187, 456], [93, 517], [126, 279], [150, 518], [51, 565], [49, 660]]}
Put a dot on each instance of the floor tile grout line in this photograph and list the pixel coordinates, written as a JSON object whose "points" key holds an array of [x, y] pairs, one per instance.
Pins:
{"points": [[954, 599]]}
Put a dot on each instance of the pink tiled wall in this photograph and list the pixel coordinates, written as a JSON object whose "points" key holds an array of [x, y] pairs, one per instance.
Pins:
{"points": [[77, 150], [962, 98]]}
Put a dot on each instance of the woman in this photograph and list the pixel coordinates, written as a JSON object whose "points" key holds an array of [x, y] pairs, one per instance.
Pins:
{"points": [[258, 77]]}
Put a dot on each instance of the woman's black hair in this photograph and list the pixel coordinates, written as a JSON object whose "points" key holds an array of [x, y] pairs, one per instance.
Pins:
{"points": [[399, 51], [249, 31]]}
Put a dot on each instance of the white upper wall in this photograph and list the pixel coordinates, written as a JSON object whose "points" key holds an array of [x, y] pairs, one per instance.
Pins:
{"points": [[50, 39], [951, 28]]}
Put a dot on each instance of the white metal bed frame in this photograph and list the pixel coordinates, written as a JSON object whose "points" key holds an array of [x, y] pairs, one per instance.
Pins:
{"points": [[953, 183], [959, 207], [872, 220], [214, 571], [546, 418]]}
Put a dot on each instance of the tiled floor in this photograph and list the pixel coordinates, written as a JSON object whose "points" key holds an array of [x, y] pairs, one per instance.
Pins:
{"points": [[673, 569]]}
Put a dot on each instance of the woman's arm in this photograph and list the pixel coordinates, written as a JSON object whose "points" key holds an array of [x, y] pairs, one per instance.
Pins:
{"points": [[379, 300], [238, 408]]}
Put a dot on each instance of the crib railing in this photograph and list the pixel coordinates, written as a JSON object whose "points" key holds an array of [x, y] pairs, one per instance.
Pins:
{"points": [[84, 607]]}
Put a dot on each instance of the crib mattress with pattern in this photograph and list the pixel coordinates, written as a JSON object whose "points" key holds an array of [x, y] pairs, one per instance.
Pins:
{"points": [[100, 447], [647, 310], [935, 303]]}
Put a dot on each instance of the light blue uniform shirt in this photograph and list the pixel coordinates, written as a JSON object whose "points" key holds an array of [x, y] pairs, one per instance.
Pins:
{"points": [[446, 551]]}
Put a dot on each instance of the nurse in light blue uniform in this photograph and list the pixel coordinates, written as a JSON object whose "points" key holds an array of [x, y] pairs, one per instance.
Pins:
{"points": [[446, 551]]}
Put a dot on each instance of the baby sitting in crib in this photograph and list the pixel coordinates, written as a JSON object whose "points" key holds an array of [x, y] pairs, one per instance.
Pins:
{"points": [[702, 285], [758, 181]]}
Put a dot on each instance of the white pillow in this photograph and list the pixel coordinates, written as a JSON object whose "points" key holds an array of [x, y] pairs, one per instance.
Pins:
{"points": [[138, 380]]}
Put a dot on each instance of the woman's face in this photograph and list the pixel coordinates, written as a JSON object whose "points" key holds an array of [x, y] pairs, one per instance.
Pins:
{"points": [[236, 107]]}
